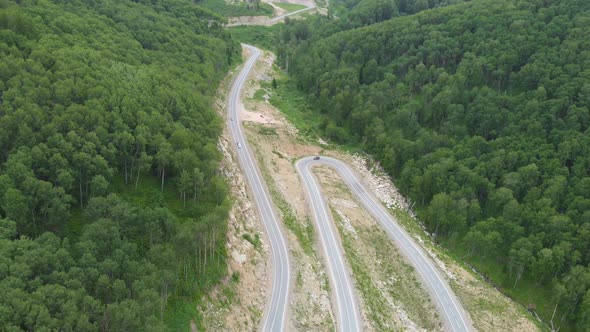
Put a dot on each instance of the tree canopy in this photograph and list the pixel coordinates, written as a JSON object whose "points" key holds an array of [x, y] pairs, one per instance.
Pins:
{"points": [[97, 98], [480, 112]]}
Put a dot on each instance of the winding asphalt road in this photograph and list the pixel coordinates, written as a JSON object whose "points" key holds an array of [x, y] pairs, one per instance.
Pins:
{"points": [[453, 315], [276, 315], [347, 313], [348, 316], [278, 18]]}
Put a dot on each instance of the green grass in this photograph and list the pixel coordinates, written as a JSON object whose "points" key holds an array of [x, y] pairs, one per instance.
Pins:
{"points": [[289, 7], [293, 103], [303, 232], [180, 313], [407, 291], [268, 131], [264, 37], [371, 294], [526, 292], [240, 8], [255, 241], [259, 95]]}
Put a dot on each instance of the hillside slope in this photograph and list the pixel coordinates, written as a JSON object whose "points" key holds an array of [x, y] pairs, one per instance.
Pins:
{"points": [[480, 113], [111, 206]]}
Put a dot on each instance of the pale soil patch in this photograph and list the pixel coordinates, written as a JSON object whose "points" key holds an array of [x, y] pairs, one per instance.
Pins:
{"points": [[306, 3], [248, 20], [278, 10], [239, 305], [257, 117]]}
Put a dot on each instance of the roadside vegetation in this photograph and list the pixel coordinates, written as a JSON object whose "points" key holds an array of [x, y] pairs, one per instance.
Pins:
{"points": [[310, 306], [286, 97], [264, 37], [394, 298]]}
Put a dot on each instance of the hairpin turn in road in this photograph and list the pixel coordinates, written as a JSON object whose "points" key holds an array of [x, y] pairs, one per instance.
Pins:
{"points": [[454, 317], [347, 310]]}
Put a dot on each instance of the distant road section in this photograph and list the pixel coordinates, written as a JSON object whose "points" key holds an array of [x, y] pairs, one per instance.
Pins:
{"points": [[276, 313], [278, 18], [272, 20], [453, 315]]}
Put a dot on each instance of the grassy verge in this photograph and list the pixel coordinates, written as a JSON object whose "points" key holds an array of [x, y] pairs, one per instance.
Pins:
{"points": [[236, 9], [525, 293], [289, 7], [309, 310], [382, 296], [285, 96], [374, 301], [303, 231], [179, 313], [293, 103], [261, 36]]}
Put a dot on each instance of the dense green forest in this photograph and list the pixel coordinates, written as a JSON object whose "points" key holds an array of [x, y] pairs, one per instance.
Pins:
{"points": [[111, 203], [480, 112], [357, 13]]}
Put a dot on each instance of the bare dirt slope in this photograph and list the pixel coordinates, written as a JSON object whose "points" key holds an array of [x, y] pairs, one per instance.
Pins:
{"points": [[237, 304]]}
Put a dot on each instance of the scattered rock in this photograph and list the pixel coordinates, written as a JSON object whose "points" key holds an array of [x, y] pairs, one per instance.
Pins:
{"points": [[238, 258]]}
